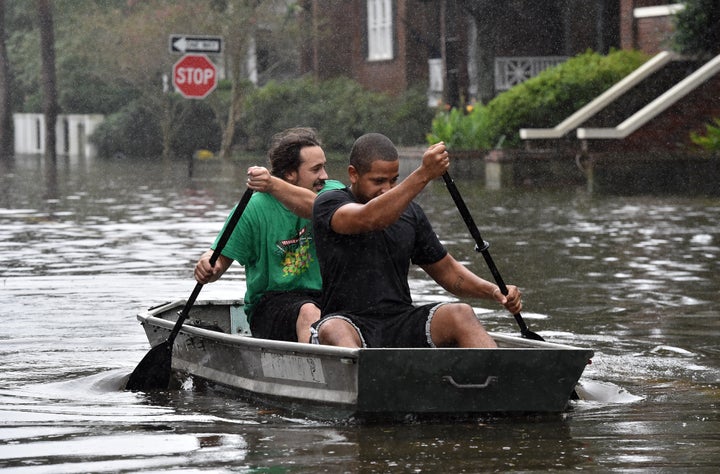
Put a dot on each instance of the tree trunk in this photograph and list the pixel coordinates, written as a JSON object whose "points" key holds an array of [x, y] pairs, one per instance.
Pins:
{"points": [[228, 136], [47, 52], [166, 126], [6, 130], [237, 57]]}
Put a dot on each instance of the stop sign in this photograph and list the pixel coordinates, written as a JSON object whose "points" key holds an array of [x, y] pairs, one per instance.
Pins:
{"points": [[194, 76]]}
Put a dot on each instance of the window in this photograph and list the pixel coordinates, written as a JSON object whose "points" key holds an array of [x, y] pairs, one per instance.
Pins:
{"points": [[380, 30]]}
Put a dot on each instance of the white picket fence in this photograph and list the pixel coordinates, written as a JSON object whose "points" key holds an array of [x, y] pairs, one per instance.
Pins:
{"points": [[72, 132]]}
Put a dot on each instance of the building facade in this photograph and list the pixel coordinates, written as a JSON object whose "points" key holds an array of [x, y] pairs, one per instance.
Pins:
{"points": [[466, 50]]}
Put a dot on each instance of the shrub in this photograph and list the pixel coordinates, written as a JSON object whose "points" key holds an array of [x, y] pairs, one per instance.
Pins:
{"points": [[135, 130], [460, 131], [340, 109], [195, 129], [711, 140], [540, 102], [132, 131], [410, 117], [83, 92], [697, 28]]}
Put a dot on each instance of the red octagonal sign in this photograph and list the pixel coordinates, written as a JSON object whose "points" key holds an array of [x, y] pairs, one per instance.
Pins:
{"points": [[194, 76]]}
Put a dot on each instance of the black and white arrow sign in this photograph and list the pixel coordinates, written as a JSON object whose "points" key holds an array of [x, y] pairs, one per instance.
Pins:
{"points": [[196, 44]]}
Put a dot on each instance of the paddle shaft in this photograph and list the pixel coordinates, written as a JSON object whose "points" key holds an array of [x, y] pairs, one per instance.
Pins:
{"points": [[234, 219], [482, 247], [153, 371]]}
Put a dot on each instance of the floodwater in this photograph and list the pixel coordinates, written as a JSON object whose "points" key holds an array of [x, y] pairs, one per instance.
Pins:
{"points": [[86, 248]]}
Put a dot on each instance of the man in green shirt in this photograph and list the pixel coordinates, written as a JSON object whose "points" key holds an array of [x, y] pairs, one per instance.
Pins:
{"points": [[274, 239]]}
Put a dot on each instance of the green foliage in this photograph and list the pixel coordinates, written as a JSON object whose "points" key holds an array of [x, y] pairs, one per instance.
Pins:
{"points": [[410, 117], [540, 102], [84, 92], [133, 131], [697, 28], [110, 56], [340, 109], [460, 131], [196, 128], [23, 46], [710, 141]]}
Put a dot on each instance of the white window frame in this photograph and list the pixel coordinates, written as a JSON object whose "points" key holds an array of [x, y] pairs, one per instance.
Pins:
{"points": [[380, 30], [660, 10]]}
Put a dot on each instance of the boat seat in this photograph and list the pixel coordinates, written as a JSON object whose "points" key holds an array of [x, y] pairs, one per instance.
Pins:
{"points": [[238, 321]]}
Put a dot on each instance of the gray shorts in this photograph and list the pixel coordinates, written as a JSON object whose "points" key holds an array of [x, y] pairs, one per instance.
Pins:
{"points": [[407, 328]]}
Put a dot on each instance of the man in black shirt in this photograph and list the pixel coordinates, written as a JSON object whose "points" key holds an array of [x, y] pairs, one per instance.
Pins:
{"points": [[366, 237]]}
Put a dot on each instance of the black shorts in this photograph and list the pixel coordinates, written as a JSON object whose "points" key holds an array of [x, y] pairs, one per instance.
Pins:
{"points": [[409, 327], [275, 315]]}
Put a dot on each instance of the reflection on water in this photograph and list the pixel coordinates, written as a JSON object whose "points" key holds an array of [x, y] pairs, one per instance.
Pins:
{"points": [[86, 247]]}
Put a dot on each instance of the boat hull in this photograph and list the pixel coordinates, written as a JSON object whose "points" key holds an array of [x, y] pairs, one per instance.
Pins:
{"points": [[521, 376]]}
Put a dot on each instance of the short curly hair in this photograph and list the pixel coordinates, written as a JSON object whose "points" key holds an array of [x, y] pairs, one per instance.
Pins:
{"points": [[371, 147], [284, 152]]}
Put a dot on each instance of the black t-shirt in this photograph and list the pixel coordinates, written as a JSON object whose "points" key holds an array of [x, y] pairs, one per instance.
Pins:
{"points": [[367, 274]]}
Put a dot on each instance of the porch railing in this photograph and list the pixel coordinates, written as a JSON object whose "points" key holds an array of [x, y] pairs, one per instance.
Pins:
{"points": [[511, 71]]}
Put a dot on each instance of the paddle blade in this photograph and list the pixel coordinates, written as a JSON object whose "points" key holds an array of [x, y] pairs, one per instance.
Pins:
{"points": [[527, 334], [153, 371]]}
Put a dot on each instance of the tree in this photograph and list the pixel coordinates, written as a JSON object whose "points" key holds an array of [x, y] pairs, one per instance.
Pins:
{"points": [[252, 47], [110, 54], [134, 36], [6, 136], [240, 33], [698, 28], [47, 51]]}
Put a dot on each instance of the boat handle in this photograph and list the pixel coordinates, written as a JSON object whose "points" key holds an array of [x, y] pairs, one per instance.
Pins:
{"points": [[488, 381]]}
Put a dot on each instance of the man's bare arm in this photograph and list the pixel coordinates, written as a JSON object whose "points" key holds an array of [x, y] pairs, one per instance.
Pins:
{"points": [[383, 210], [297, 199], [460, 281]]}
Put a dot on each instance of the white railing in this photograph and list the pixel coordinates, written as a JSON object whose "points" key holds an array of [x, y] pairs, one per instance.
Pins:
{"points": [[511, 71], [657, 106], [600, 102]]}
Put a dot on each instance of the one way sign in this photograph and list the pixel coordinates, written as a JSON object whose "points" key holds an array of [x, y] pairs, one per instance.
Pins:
{"points": [[196, 44]]}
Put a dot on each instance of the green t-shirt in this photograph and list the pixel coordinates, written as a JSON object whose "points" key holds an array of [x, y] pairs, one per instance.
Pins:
{"points": [[276, 248]]}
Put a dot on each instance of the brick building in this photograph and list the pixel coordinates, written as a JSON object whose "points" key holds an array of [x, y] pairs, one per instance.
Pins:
{"points": [[647, 25], [468, 49]]}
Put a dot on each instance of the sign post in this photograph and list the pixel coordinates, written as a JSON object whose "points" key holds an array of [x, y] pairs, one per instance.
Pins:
{"points": [[194, 76]]}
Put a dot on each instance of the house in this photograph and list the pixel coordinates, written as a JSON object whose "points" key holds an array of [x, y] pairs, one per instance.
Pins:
{"points": [[457, 50], [653, 110], [385, 45], [466, 50], [647, 25]]}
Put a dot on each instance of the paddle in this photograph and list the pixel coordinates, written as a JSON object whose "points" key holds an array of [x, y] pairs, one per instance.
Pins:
{"points": [[482, 247], [153, 371]]}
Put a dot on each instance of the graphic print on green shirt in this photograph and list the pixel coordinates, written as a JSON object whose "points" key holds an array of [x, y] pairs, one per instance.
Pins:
{"points": [[296, 257]]}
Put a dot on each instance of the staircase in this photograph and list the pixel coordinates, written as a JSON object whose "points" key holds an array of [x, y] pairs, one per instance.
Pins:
{"points": [[652, 109]]}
